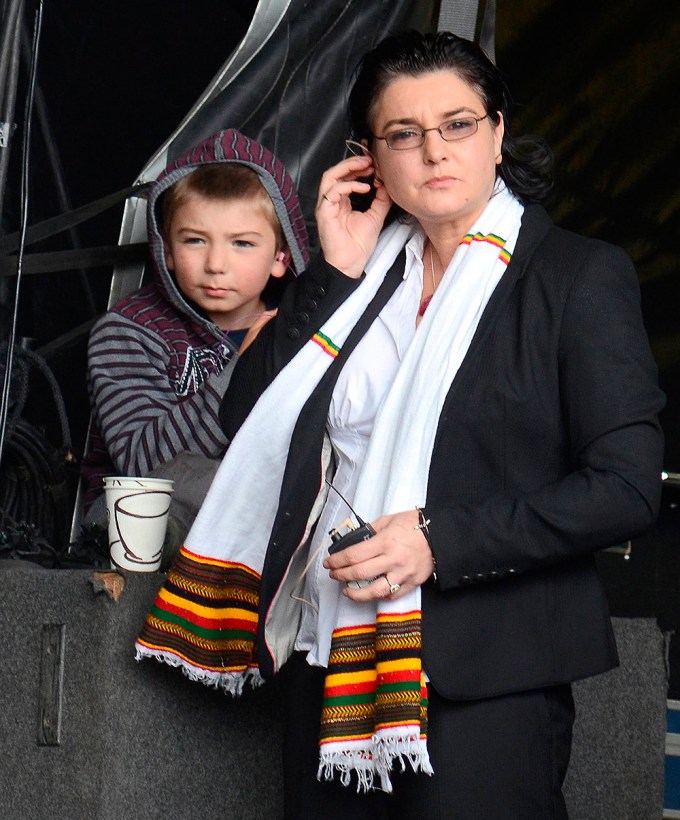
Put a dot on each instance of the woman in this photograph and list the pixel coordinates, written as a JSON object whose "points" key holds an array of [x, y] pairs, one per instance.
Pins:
{"points": [[477, 383]]}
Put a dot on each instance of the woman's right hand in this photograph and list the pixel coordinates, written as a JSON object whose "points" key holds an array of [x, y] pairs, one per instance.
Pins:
{"points": [[348, 237]]}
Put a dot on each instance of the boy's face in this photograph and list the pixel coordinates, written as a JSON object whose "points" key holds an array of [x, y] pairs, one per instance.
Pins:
{"points": [[222, 253]]}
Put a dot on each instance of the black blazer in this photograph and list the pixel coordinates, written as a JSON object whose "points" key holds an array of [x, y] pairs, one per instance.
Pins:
{"points": [[548, 448]]}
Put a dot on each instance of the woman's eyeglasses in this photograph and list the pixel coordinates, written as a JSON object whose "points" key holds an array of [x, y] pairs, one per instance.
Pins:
{"points": [[413, 136]]}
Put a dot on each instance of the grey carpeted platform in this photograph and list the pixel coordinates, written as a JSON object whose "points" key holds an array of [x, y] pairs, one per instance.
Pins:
{"points": [[139, 741], [617, 760]]}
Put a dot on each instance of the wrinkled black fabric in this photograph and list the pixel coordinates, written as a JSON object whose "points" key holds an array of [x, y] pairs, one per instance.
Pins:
{"points": [[292, 96]]}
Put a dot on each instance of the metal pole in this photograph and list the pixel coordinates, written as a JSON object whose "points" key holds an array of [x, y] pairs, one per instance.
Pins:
{"points": [[9, 72]]}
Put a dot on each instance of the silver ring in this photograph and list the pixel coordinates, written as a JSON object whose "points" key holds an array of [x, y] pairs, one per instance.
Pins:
{"points": [[393, 587], [327, 199]]}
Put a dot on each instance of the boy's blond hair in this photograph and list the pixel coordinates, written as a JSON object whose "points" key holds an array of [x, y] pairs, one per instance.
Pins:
{"points": [[221, 181]]}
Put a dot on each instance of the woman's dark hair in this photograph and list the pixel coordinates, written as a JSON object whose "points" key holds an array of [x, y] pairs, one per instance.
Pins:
{"points": [[526, 167]]}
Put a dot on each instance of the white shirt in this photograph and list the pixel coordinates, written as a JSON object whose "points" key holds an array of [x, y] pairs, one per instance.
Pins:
{"points": [[358, 393]]}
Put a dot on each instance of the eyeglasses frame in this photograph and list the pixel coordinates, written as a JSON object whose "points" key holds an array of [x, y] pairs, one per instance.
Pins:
{"points": [[436, 128]]}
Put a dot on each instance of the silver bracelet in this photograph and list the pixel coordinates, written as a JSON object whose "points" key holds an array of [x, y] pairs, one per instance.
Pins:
{"points": [[423, 526]]}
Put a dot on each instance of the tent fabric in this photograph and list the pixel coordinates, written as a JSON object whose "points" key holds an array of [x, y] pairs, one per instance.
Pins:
{"points": [[294, 110]]}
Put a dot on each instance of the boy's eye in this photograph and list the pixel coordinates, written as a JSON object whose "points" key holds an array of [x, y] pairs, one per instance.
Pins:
{"points": [[193, 240], [243, 243]]}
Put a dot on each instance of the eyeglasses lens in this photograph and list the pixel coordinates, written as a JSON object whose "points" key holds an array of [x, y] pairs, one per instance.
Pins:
{"points": [[451, 130]]}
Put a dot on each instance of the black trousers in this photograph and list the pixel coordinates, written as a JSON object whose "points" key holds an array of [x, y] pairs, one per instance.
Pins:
{"points": [[502, 758]]}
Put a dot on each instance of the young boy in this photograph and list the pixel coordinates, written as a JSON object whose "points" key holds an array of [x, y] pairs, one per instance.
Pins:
{"points": [[223, 221]]}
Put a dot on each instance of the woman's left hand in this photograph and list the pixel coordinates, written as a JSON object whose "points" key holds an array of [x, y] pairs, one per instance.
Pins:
{"points": [[398, 551]]}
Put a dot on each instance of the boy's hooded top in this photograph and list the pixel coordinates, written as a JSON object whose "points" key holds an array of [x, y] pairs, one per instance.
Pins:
{"points": [[156, 364]]}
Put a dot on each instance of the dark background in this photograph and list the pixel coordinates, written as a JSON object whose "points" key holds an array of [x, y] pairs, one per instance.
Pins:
{"points": [[601, 87], [117, 78]]}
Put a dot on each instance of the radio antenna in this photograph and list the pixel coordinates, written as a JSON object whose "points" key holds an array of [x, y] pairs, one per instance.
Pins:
{"points": [[351, 508]]}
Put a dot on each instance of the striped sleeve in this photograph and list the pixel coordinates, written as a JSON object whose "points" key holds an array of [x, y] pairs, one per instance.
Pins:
{"points": [[141, 419]]}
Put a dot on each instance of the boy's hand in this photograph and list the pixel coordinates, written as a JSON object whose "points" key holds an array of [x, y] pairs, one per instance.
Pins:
{"points": [[255, 328], [348, 237]]}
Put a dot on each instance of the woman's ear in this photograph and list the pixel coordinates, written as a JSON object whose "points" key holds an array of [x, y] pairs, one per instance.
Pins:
{"points": [[499, 130], [377, 182]]}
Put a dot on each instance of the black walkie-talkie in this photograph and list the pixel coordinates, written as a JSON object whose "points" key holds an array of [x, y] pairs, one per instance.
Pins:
{"points": [[352, 535]]}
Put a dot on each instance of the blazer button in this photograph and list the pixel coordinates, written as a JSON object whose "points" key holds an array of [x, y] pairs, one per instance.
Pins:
{"points": [[479, 578], [310, 304], [319, 291], [494, 575], [465, 580], [288, 515], [302, 318], [293, 333]]}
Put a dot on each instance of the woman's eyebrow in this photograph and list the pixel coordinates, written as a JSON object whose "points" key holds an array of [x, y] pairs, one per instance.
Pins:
{"points": [[446, 115]]}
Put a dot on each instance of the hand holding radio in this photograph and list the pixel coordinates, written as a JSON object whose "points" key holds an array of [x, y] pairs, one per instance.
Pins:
{"points": [[352, 536], [392, 556]]}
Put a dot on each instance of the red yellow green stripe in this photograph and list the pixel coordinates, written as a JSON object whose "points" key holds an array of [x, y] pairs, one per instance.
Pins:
{"points": [[169, 600], [326, 344], [398, 617], [215, 562], [358, 629], [491, 239]]}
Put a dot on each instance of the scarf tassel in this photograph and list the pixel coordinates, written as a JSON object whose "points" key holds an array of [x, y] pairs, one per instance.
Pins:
{"points": [[231, 683], [379, 761]]}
